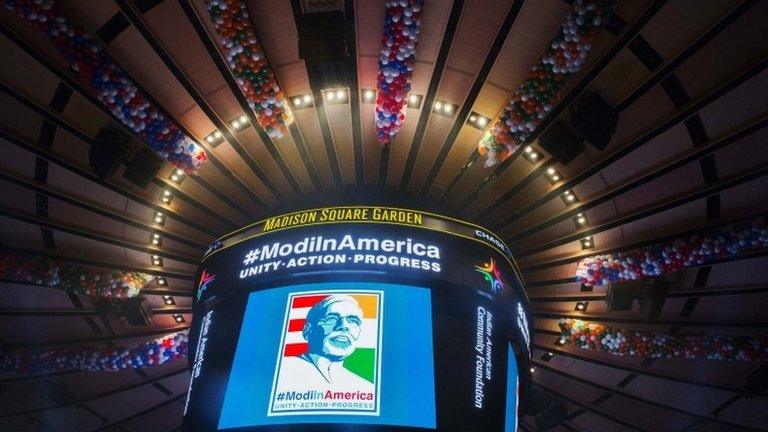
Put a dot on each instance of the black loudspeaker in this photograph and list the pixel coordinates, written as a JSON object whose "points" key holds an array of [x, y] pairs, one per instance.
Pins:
{"points": [[58, 393], [109, 150], [595, 120], [757, 381], [561, 143], [620, 297], [143, 168], [137, 311], [322, 37]]}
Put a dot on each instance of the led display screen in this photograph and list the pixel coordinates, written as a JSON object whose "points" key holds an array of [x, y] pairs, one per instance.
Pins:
{"points": [[364, 317]]}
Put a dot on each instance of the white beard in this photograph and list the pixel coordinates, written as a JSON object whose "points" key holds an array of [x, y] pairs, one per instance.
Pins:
{"points": [[338, 348]]}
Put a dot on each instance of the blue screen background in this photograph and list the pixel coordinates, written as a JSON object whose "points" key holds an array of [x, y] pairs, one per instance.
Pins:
{"points": [[407, 372], [510, 423]]}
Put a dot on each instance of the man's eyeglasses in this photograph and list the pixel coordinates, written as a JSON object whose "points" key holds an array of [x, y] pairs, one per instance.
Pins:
{"points": [[333, 320]]}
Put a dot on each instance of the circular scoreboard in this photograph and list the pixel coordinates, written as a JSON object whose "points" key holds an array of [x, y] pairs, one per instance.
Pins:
{"points": [[358, 318]]}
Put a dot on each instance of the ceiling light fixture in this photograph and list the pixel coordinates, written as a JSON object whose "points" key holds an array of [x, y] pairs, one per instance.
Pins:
{"points": [[169, 300], [162, 281], [580, 219], [159, 218], [581, 306], [477, 121], [179, 318], [369, 95], [214, 138], [568, 197], [414, 101], [156, 240], [302, 101], [336, 96], [445, 109], [166, 197], [587, 243], [157, 260], [177, 176]]}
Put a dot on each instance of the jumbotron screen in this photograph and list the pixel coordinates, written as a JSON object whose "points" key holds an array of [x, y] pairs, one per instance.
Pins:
{"points": [[358, 318]]}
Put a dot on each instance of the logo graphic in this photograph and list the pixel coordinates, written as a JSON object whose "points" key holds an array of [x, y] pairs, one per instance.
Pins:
{"points": [[329, 359], [205, 279], [492, 275]]}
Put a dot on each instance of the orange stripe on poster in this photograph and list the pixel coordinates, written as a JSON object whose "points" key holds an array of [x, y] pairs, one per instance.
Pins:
{"points": [[368, 303]]}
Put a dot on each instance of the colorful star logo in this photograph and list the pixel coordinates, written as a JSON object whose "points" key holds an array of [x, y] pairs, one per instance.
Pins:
{"points": [[492, 275], [205, 279]]}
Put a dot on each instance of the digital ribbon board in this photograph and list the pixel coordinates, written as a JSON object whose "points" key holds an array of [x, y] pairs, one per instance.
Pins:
{"points": [[374, 318]]}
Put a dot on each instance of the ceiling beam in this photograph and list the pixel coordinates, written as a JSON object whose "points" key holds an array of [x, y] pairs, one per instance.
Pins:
{"points": [[639, 370], [572, 258], [98, 339], [670, 65], [429, 99], [58, 119], [354, 93], [669, 121], [76, 85], [587, 407], [99, 264], [654, 209], [556, 315], [115, 391], [616, 392], [648, 175], [93, 235], [93, 207], [46, 154], [113, 425], [319, 104], [135, 18], [81, 312], [474, 92], [584, 81]]}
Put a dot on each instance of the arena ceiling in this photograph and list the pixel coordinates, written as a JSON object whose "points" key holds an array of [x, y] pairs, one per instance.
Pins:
{"points": [[687, 77]]}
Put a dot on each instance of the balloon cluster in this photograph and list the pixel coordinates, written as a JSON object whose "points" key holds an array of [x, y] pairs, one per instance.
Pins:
{"points": [[107, 81], [542, 88], [402, 25], [71, 278], [598, 337], [660, 259], [91, 359], [249, 65]]}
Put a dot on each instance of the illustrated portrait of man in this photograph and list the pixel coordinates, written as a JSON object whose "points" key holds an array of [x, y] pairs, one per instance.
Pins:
{"points": [[332, 330]]}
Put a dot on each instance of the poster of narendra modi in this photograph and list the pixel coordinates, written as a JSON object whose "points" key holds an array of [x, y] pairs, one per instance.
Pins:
{"points": [[329, 357]]}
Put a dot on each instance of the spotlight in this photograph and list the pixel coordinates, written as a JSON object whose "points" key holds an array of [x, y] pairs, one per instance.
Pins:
{"points": [[243, 118], [162, 281], [336, 96], [528, 149], [297, 101], [580, 219], [157, 260], [330, 96], [179, 318], [166, 197], [587, 243], [444, 108], [156, 240], [302, 101], [168, 300], [240, 123], [547, 356], [552, 175], [177, 176], [533, 369], [214, 138], [581, 306], [159, 218], [236, 124], [477, 121], [568, 197], [369, 95], [307, 98], [340, 94], [560, 341], [414, 101]]}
